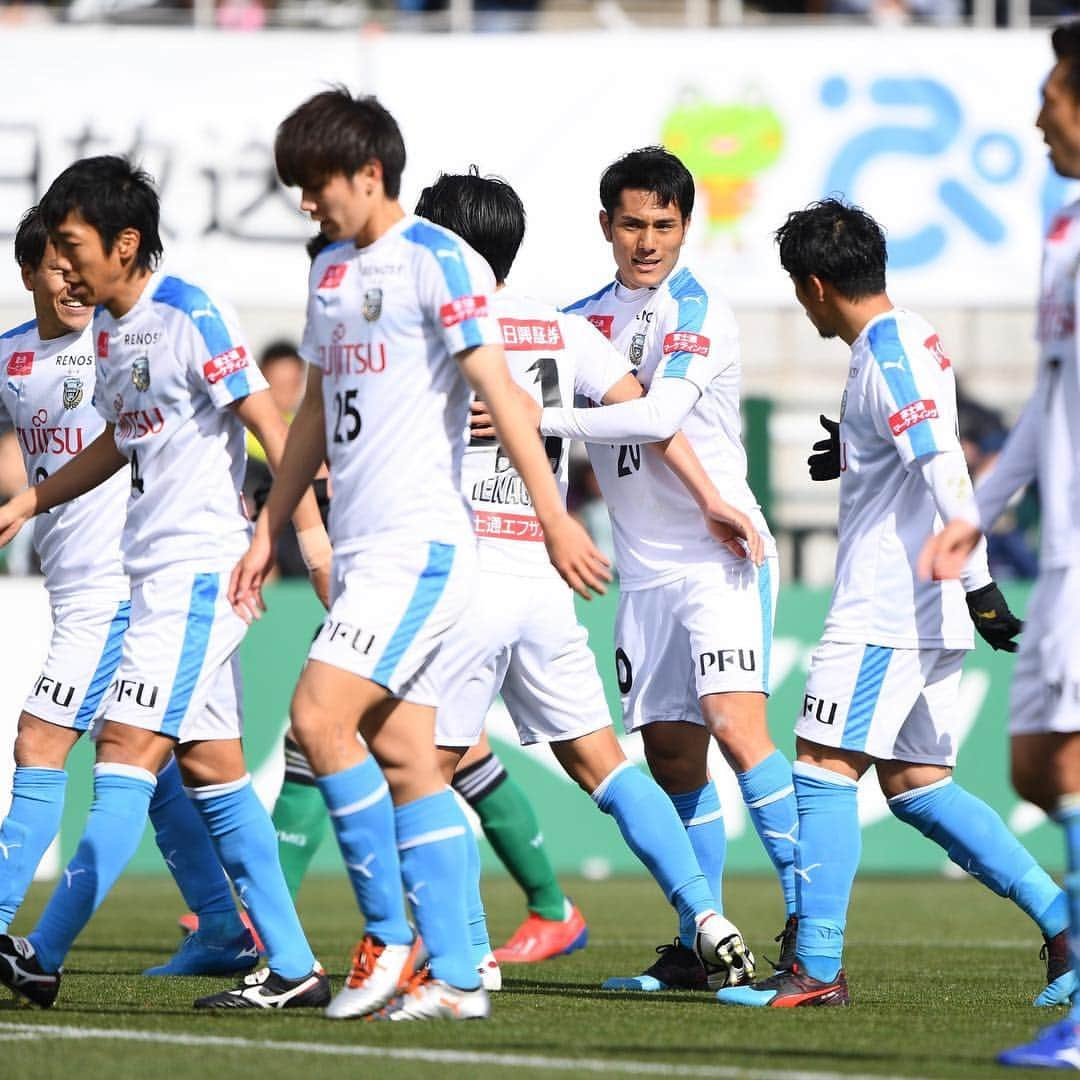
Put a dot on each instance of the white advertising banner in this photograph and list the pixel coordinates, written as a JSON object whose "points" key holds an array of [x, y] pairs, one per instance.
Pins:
{"points": [[931, 130]]}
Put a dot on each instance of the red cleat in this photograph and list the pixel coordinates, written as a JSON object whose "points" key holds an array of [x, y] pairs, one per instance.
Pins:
{"points": [[189, 923], [541, 939]]}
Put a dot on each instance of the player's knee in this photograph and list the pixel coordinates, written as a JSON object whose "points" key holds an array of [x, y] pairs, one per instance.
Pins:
{"points": [[1031, 784], [42, 744]]}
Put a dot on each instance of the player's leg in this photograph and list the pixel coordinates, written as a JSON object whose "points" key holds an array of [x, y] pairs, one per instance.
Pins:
{"points": [[921, 791], [299, 816]]}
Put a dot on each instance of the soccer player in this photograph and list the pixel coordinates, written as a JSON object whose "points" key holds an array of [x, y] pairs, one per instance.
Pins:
{"points": [[884, 683], [398, 329], [176, 388], [685, 602], [1044, 445], [48, 366]]}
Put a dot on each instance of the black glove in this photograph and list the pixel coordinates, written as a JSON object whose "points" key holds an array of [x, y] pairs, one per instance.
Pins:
{"points": [[996, 624], [825, 464]]}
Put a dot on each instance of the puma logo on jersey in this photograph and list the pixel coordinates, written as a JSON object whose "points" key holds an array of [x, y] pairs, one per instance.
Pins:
{"points": [[448, 253]]}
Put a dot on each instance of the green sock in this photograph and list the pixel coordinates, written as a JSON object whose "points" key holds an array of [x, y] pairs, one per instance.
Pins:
{"points": [[300, 818], [511, 828]]}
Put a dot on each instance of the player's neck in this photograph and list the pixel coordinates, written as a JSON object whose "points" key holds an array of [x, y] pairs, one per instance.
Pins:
{"points": [[127, 292], [49, 327], [855, 316], [383, 218]]}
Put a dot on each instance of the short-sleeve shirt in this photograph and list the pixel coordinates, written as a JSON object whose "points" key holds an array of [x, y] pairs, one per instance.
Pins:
{"points": [[47, 392], [168, 370], [552, 356], [384, 324], [674, 331], [899, 407]]}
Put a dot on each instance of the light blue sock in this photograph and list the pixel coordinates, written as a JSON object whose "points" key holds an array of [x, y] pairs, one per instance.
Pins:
{"points": [[1068, 817], [363, 818], [478, 930], [190, 856], [769, 794], [114, 827], [979, 842], [246, 845], [650, 826], [703, 819], [825, 864], [434, 865], [37, 805]]}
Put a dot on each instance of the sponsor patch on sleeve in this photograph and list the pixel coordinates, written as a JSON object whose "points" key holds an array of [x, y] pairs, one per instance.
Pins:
{"points": [[20, 363], [933, 343], [332, 276], [524, 334], [462, 309], [912, 414], [224, 364], [685, 341], [602, 323]]}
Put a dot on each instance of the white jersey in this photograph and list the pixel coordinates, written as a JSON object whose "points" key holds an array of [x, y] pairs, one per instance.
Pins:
{"points": [[553, 357], [384, 323], [673, 331], [1045, 443], [899, 405], [47, 391], [167, 372]]}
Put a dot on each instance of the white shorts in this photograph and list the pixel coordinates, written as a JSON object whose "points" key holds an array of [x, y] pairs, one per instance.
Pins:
{"points": [[892, 704], [180, 672], [391, 607], [520, 636], [710, 632], [1046, 680], [84, 653]]}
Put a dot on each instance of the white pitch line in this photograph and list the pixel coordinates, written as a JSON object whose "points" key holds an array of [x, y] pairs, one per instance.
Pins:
{"points": [[440, 1057]]}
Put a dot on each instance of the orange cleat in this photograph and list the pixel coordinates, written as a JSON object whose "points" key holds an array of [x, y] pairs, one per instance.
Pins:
{"points": [[541, 939], [189, 923]]}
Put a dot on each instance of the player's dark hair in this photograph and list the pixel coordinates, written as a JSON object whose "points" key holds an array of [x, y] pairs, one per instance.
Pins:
{"points": [[838, 243], [332, 133], [652, 168], [111, 194], [1065, 40], [30, 239], [319, 241], [282, 349], [485, 211]]}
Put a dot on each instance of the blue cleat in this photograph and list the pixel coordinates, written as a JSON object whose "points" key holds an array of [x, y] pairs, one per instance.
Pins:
{"points": [[198, 955], [1055, 1047], [1061, 981], [787, 989]]}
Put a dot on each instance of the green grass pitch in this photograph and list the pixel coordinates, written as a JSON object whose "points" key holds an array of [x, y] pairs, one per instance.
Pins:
{"points": [[942, 974]]}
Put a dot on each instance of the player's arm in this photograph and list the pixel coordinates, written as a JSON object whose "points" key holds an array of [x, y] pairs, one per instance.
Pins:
{"points": [[300, 459], [260, 416], [572, 553], [81, 474]]}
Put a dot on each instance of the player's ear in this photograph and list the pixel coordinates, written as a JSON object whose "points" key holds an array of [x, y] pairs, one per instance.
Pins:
{"points": [[127, 243], [816, 288], [370, 176], [605, 225], [27, 274]]}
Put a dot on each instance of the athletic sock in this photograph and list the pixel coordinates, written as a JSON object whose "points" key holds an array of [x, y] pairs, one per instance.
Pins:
{"points": [[185, 846], [37, 805], [651, 828], [769, 794], [479, 938], [1068, 817], [703, 819], [979, 842], [247, 848], [363, 817], [434, 865], [114, 827], [826, 859], [511, 828], [299, 817]]}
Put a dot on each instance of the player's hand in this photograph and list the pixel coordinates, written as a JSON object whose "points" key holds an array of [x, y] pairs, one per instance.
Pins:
{"points": [[990, 613], [246, 582], [14, 514], [825, 464], [735, 531], [320, 582], [945, 554], [480, 424], [572, 552]]}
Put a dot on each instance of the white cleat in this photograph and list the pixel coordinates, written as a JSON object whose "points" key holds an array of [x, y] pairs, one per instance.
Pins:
{"points": [[721, 949], [426, 998], [490, 973], [379, 972]]}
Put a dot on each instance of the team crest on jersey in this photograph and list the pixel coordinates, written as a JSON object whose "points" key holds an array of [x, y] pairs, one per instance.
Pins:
{"points": [[637, 348], [372, 307], [73, 392], [140, 373]]}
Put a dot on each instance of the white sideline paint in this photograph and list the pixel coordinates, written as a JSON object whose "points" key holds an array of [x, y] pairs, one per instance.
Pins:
{"points": [[439, 1057]]}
